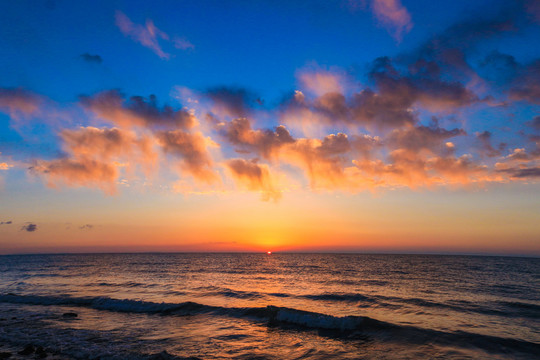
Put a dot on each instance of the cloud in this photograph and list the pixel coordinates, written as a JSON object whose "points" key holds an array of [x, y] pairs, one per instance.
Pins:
{"points": [[5, 166], [394, 16], [182, 43], [6, 222], [108, 144], [78, 172], [535, 123], [265, 143], [526, 173], [321, 82], [136, 111], [390, 104], [149, 35], [229, 101], [522, 172], [29, 227], [526, 87], [86, 227], [255, 177], [415, 139], [485, 147], [96, 59], [323, 161], [521, 155], [402, 125], [146, 35], [192, 148], [17, 101]]}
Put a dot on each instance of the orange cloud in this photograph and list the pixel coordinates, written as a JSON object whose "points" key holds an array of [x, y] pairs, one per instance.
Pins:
{"points": [[255, 177], [110, 144], [18, 101], [320, 82], [137, 111], [5, 166], [78, 172], [265, 142], [192, 148]]}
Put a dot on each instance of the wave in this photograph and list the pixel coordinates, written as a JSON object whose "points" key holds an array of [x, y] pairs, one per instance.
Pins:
{"points": [[499, 308], [346, 327]]}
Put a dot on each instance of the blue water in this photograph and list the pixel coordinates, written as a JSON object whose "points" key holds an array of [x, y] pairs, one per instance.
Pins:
{"points": [[279, 306]]}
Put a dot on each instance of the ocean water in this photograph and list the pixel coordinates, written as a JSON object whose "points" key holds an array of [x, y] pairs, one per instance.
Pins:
{"points": [[279, 306]]}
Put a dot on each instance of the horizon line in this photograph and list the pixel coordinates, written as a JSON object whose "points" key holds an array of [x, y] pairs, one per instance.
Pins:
{"points": [[477, 254]]}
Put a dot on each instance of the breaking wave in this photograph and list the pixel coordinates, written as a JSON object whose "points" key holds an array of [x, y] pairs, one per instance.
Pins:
{"points": [[345, 327]]}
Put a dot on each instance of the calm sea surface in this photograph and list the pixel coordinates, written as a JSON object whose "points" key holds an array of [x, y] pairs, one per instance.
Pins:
{"points": [[279, 306]]}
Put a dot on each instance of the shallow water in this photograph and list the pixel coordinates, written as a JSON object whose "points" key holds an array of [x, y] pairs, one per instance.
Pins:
{"points": [[279, 306]]}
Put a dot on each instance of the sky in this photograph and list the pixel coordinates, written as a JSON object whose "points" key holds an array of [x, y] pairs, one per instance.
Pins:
{"points": [[395, 126]]}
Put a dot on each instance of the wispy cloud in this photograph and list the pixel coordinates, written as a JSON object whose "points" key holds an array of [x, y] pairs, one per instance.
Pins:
{"points": [[16, 101], [149, 35], [255, 177], [394, 16]]}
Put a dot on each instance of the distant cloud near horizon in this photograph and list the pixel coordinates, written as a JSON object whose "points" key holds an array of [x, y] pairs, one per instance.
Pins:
{"points": [[149, 35], [86, 227], [29, 227], [6, 222]]}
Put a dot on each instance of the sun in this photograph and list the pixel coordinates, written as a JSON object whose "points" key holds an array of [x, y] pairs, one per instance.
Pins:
{"points": [[269, 253]]}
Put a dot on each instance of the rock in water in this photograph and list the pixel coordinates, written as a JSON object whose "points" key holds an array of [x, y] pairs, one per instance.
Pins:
{"points": [[28, 349], [40, 353]]}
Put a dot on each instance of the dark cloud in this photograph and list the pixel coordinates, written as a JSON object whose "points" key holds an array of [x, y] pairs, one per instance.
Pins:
{"points": [[29, 227], [96, 59], [449, 49], [233, 102], [192, 148], [390, 103], [86, 227], [484, 144], [526, 87], [499, 67], [6, 222], [136, 111], [17, 100], [535, 123], [422, 138], [533, 172], [263, 142], [404, 89]]}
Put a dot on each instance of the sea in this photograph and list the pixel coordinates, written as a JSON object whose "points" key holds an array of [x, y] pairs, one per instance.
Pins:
{"points": [[269, 306]]}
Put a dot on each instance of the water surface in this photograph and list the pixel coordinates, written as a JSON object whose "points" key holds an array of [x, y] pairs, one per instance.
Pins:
{"points": [[279, 306]]}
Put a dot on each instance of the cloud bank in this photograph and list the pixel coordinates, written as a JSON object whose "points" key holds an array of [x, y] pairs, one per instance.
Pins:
{"points": [[414, 120]]}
